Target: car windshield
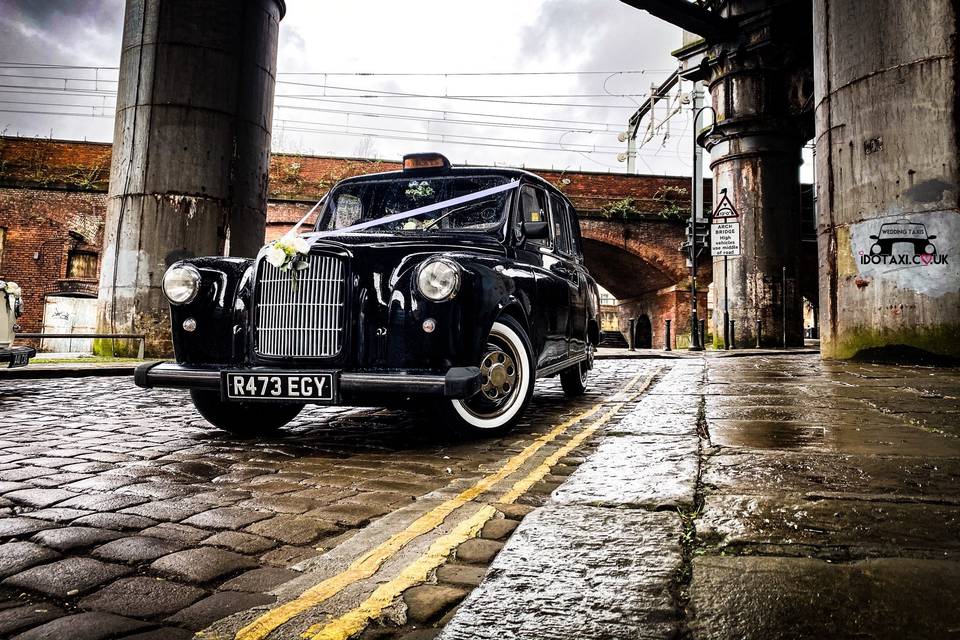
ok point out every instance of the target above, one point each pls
(358, 202)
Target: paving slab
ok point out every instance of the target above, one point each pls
(71, 538)
(31, 615)
(426, 602)
(610, 476)
(293, 530)
(240, 542)
(21, 525)
(142, 597)
(17, 556)
(572, 571)
(749, 472)
(226, 518)
(868, 527)
(136, 549)
(201, 565)
(260, 580)
(219, 605)
(92, 625)
(780, 598)
(478, 551)
(67, 577)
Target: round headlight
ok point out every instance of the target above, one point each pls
(438, 279)
(181, 283)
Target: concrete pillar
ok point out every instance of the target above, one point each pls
(760, 85)
(759, 167)
(191, 149)
(888, 135)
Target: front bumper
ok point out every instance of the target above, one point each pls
(458, 382)
(7, 354)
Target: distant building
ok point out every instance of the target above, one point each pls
(609, 317)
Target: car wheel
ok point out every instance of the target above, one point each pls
(246, 419)
(507, 378)
(574, 379)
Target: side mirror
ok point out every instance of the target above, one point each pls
(873, 237)
(931, 237)
(536, 230)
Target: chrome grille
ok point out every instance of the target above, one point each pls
(305, 320)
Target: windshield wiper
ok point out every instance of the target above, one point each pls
(452, 211)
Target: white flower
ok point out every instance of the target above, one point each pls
(301, 246)
(276, 256)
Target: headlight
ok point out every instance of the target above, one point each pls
(181, 284)
(438, 279)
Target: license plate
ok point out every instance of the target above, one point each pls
(316, 387)
(20, 359)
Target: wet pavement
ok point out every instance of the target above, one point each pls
(757, 497)
(761, 497)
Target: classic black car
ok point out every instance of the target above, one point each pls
(457, 286)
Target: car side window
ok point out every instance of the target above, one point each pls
(533, 208)
(560, 226)
(575, 231)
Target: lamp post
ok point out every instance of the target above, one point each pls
(695, 204)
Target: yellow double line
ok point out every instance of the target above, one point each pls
(368, 564)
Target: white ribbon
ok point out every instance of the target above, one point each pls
(393, 217)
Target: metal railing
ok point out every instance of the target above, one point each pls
(86, 336)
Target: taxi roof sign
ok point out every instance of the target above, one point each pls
(425, 161)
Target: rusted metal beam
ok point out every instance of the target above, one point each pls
(645, 107)
(686, 15)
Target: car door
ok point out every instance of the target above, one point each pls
(568, 269)
(582, 304)
(549, 315)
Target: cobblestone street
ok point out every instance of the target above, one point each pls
(124, 512)
(824, 493)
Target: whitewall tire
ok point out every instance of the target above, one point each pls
(507, 379)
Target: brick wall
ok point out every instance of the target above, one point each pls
(41, 228)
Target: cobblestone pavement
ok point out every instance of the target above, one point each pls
(123, 514)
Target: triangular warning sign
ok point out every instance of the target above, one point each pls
(725, 208)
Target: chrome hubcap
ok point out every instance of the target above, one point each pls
(498, 375)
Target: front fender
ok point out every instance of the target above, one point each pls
(220, 310)
(488, 288)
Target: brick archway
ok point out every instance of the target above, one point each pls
(640, 263)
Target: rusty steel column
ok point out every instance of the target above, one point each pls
(888, 169)
(760, 83)
(758, 164)
(191, 149)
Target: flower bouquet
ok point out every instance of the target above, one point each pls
(289, 253)
(11, 295)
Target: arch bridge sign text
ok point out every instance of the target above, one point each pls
(725, 229)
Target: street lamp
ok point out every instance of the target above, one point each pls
(697, 164)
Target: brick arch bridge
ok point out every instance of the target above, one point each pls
(639, 262)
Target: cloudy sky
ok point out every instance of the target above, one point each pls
(540, 83)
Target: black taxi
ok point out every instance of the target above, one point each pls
(459, 286)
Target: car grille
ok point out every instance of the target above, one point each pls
(303, 320)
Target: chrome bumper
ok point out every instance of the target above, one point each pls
(458, 382)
